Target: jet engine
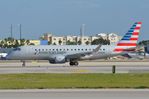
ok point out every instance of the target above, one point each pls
(58, 59)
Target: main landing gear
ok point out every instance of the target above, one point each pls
(74, 63)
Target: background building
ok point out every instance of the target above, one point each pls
(113, 37)
(35, 42)
(84, 40)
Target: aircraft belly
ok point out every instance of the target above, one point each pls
(40, 57)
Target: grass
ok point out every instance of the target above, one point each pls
(47, 81)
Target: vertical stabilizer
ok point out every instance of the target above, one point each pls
(129, 41)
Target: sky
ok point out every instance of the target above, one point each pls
(65, 17)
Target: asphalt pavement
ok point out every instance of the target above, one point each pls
(76, 94)
(84, 67)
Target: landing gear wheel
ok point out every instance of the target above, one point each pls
(73, 63)
(76, 63)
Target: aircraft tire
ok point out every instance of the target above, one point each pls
(74, 63)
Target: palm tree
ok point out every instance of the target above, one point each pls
(2, 43)
(16, 44)
(22, 42)
(60, 42)
(79, 42)
(27, 42)
(54, 43)
(49, 42)
(100, 41)
(87, 42)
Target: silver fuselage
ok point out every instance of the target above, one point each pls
(47, 52)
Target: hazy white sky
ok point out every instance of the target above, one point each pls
(64, 17)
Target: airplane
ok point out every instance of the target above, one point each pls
(57, 54)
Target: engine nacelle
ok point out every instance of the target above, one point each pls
(58, 59)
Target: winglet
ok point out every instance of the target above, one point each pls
(97, 49)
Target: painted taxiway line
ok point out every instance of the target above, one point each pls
(75, 90)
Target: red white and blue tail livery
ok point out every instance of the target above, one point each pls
(129, 42)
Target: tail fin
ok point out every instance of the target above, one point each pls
(129, 41)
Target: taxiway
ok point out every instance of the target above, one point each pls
(76, 94)
(84, 67)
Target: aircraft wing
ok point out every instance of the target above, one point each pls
(77, 55)
(82, 54)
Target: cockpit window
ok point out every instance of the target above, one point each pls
(17, 49)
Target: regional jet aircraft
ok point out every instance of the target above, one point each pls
(73, 53)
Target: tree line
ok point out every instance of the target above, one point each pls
(144, 43)
(94, 42)
(13, 43)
